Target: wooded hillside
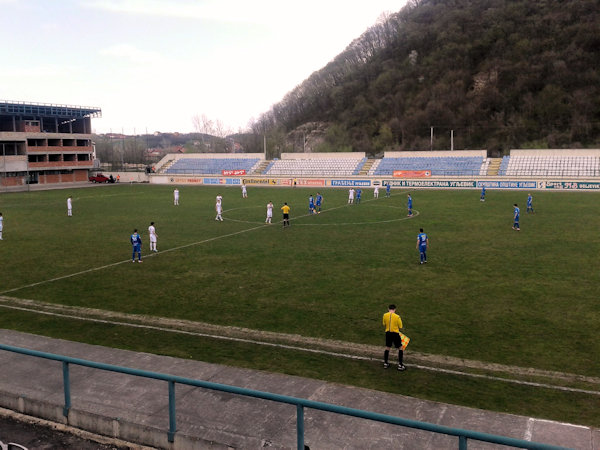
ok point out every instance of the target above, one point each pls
(502, 74)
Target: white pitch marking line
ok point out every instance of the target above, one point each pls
(345, 205)
(529, 430)
(304, 349)
(93, 269)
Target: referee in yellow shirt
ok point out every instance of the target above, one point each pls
(392, 323)
(286, 215)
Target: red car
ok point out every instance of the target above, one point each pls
(100, 178)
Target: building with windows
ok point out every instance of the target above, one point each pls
(45, 143)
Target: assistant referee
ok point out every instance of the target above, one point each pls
(392, 323)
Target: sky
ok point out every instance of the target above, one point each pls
(154, 65)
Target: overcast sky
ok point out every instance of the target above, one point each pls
(155, 64)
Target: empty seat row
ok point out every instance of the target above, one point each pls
(448, 165)
(575, 166)
(316, 167)
(216, 166)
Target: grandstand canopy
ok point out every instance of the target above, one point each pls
(48, 110)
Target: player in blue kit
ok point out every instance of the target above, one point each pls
(311, 205)
(516, 216)
(482, 198)
(388, 188)
(136, 243)
(358, 195)
(409, 205)
(529, 204)
(422, 244)
(319, 202)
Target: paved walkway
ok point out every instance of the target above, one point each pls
(136, 409)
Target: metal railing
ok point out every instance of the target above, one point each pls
(300, 403)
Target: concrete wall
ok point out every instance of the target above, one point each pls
(17, 163)
(130, 177)
(113, 427)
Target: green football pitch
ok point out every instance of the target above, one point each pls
(523, 305)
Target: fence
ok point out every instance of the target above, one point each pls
(462, 435)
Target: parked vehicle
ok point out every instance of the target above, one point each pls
(101, 178)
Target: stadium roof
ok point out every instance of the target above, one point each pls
(48, 110)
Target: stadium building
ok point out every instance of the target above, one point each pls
(45, 143)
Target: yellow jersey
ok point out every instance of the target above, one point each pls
(392, 322)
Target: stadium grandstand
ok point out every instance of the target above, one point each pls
(463, 163)
(315, 164)
(409, 164)
(546, 163)
(204, 166)
(45, 143)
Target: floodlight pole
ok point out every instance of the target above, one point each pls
(451, 140)
(431, 139)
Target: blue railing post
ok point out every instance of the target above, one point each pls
(66, 388)
(300, 426)
(172, 414)
(462, 443)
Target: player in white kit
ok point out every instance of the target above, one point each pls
(351, 196)
(1, 225)
(153, 236)
(376, 192)
(269, 212)
(244, 191)
(176, 197)
(69, 206)
(219, 209)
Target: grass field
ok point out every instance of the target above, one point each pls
(524, 299)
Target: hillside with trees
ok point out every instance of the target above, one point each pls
(501, 74)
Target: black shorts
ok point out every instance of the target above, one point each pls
(286, 216)
(392, 339)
